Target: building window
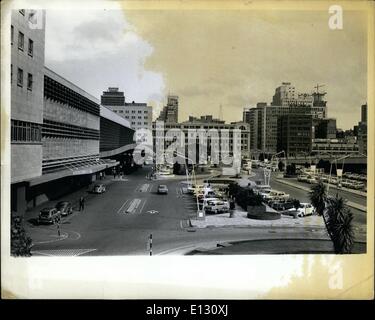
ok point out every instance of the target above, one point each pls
(139, 111)
(22, 131)
(133, 111)
(145, 111)
(30, 50)
(11, 34)
(20, 77)
(22, 11)
(20, 40)
(29, 81)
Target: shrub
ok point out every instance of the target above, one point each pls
(20, 242)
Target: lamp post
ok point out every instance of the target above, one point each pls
(338, 173)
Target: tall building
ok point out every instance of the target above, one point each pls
(138, 114)
(264, 128)
(55, 125)
(112, 97)
(324, 128)
(208, 123)
(169, 114)
(364, 113)
(362, 130)
(286, 95)
(27, 63)
(294, 134)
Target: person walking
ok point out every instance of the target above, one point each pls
(81, 204)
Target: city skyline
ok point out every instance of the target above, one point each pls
(236, 75)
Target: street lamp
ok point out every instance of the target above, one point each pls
(340, 173)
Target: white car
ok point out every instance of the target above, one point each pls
(99, 188)
(305, 209)
(217, 206)
(276, 195)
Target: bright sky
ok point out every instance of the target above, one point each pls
(235, 58)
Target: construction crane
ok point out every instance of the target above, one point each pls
(319, 86)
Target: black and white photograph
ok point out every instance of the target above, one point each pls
(189, 130)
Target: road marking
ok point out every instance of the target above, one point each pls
(151, 186)
(144, 187)
(62, 252)
(140, 211)
(133, 205)
(125, 202)
(152, 211)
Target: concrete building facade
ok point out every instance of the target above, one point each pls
(138, 114)
(294, 134)
(169, 114)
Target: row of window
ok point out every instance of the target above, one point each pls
(139, 123)
(20, 78)
(127, 111)
(63, 130)
(22, 131)
(133, 117)
(58, 92)
(21, 42)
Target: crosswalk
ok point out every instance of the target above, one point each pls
(62, 252)
(132, 206)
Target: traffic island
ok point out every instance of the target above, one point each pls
(262, 212)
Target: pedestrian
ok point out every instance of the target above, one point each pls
(81, 204)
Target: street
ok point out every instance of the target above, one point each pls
(120, 221)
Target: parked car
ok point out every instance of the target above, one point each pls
(312, 180)
(49, 215)
(65, 208)
(302, 178)
(217, 206)
(282, 206)
(162, 189)
(276, 195)
(99, 188)
(305, 209)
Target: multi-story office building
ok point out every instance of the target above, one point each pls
(207, 123)
(56, 142)
(169, 114)
(294, 134)
(333, 147)
(324, 128)
(286, 95)
(138, 114)
(362, 130)
(264, 128)
(27, 63)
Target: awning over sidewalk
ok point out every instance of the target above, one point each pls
(75, 170)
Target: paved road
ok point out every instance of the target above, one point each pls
(359, 216)
(120, 221)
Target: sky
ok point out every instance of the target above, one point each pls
(233, 58)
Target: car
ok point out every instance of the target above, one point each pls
(305, 209)
(162, 189)
(49, 215)
(65, 208)
(302, 178)
(312, 180)
(276, 195)
(282, 206)
(217, 206)
(99, 188)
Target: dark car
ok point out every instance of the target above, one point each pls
(65, 208)
(282, 206)
(49, 215)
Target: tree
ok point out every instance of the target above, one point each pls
(20, 242)
(340, 225)
(337, 218)
(176, 168)
(318, 196)
(281, 165)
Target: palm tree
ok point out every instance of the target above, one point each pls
(340, 224)
(318, 198)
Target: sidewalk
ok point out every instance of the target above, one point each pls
(240, 219)
(49, 233)
(297, 186)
